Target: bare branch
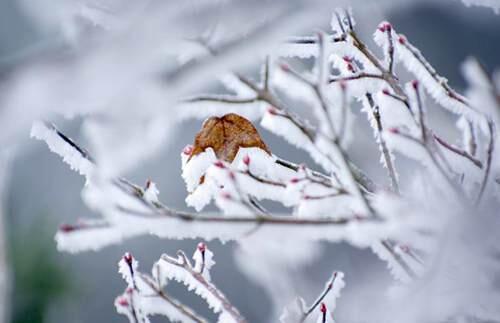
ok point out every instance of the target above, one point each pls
(458, 151)
(188, 312)
(320, 298)
(228, 307)
(383, 145)
(220, 99)
(489, 158)
(358, 76)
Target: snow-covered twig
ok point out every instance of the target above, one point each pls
(458, 151)
(145, 296)
(489, 158)
(383, 145)
(197, 279)
(328, 288)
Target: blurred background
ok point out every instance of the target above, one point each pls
(48, 286)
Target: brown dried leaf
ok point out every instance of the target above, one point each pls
(225, 135)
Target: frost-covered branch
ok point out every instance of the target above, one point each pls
(146, 295)
(489, 158)
(197, 277)
(329, 287)
(231, 166)
(298, 312)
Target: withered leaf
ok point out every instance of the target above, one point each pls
(225, 135)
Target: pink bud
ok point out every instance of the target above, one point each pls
(302, 166)
(347, 59)
(350, 67)
(306, 197)
(67, 228)
(386, 91)
(122, 301)
(246, 160)
(272, 111)
(387, 27)
(219, 164)
(402, 39)
(129, 290)
(294, 180)
(322, 308)
(394, 130)
(225, 195)
(202, 247)
(188, 150)
(414, 83)
(285, 67)
(128, 258)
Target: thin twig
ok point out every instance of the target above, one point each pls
(489, 158)
(390, 49)
(383, 145)
(360, 75)
(326, 290)
(220, 99)
(185, 264)
(458, 151)
(191, 314)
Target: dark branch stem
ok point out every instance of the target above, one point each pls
(489, 158)
(361, 75)
(228, 307)
(390, 50)
(328, 288)
(383, 145)
(180, 307)
(220, 99)
(458, 151)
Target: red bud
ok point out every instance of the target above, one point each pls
(219, 164)
(386, 91)
(322, 308)
(294, 180)
(128, 258)
(414, 83)
(68, 228)
(122, 301)
(202, 246)
(402, 39)
(284, 67)
(246, 160)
